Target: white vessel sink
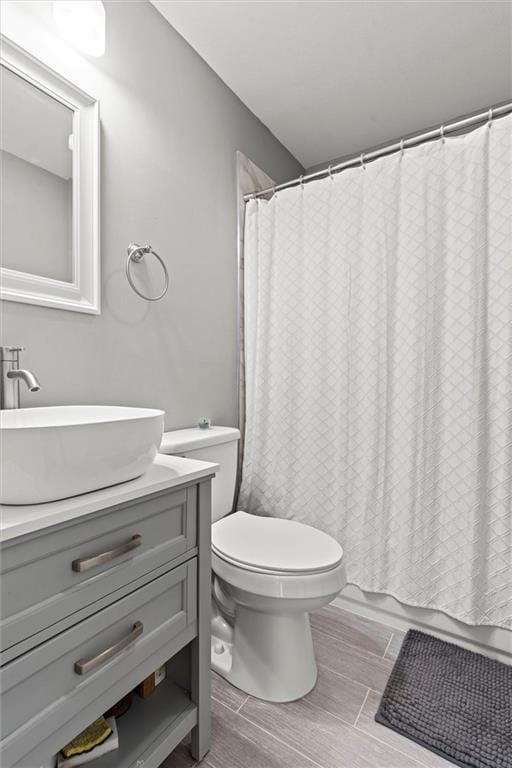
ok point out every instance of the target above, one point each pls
(61, 451)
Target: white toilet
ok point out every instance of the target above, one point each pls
(269, 573)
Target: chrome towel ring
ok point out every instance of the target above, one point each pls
(135, 254)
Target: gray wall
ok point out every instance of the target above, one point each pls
(35, 195)
(170, 130)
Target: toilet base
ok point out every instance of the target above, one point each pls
(269, 656)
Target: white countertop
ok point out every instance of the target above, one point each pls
(166, 472)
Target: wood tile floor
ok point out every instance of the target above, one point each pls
(333, 726)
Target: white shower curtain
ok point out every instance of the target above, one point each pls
(379, 369)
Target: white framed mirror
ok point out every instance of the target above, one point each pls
(49, 149)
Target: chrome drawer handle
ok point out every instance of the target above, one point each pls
(86, 563)
(84, 666)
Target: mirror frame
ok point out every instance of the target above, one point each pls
(83, 294)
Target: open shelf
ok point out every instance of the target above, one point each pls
(152, 728)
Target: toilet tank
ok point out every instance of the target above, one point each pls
(217, 444)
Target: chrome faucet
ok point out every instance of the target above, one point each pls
(11, 376)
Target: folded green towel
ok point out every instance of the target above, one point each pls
(89, 750)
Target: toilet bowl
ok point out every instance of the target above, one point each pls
(268, 574)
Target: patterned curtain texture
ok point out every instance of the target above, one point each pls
(378, 334)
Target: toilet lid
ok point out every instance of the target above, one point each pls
(273, 544)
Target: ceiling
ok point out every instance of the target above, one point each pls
(331, 77)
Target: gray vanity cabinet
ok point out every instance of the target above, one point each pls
(89, 609)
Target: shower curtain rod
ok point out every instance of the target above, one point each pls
(480, 117)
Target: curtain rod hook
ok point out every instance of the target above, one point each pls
(329, 171)
(489, 121)
(441, 131)
(402, 149)
(361, 160)
(301, 180)
(274, 191)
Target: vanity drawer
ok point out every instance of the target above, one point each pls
(49, 689)
(56, 574)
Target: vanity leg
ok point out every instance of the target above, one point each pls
(201, 646)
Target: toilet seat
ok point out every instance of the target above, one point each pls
(270, 545)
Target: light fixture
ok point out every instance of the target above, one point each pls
(82, 23)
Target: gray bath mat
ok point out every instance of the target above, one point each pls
(454, 702)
